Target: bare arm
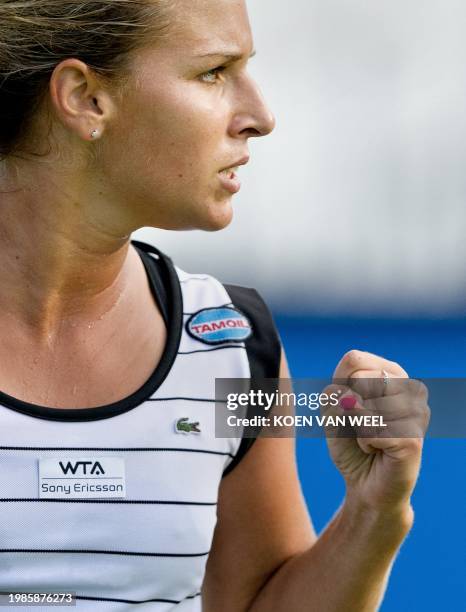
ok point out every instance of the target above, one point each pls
(347, 568)
(266, 557)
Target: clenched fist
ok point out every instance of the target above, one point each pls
(380, 464)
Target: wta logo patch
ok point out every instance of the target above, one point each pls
(218, 325)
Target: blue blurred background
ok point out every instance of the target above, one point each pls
(352, 223)
(429, 573)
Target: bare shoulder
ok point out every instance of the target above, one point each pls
(262, 522)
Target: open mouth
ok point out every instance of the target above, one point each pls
(230, 172)
(229, 176)
(230, 180)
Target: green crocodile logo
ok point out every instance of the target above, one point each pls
(183, 426)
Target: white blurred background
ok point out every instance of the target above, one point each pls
(356, 203)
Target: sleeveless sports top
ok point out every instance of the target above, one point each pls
(118, 503)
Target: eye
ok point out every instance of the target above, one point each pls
(211, 76)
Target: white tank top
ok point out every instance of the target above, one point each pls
(118, 503)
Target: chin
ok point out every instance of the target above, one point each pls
(219, 217)
(213, 216)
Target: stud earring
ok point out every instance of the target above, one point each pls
(94, 134)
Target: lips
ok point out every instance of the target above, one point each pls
(230, 172)
(228, 176)
(233, 168)
(229, 180)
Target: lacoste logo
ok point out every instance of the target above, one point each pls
(185, 427)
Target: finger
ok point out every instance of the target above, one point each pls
(342, 397)
(364, 419)
(349, 402)
(402, 415)
(375, 383)
(355, 360)
(395, 448)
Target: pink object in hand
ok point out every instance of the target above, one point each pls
(348, 403)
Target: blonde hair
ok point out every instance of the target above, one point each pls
(36, 35)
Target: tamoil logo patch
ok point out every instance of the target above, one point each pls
(218, 325)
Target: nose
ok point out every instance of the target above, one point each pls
(253, 118)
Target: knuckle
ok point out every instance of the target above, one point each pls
(353, 358)
(423, 391)
(412, 447)
(411, 388)
(415, 445)
(419, 395)
(401, 372)
(357, 375)
(426, 413)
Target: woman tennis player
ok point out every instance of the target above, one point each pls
(117, 115)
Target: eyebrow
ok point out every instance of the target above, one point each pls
(227, 55)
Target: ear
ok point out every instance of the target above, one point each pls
(79, 99)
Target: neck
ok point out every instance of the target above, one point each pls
(64, 261)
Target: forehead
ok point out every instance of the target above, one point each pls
(206, 26)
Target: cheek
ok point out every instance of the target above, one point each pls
(172, 152)
(180, 133)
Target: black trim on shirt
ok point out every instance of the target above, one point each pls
(217, 348)
(91, 551)
(157, 272)
(57, 500)
(263, 349)
(134, 449)
(161, 273)
(134, 601)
